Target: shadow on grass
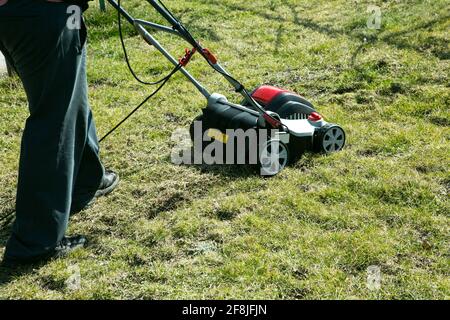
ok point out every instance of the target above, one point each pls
(391, 38)
(437, 47)
(171, 202)
(104, 25)
(9, 274)
(231, 171)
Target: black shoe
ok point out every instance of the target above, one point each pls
(109, 183)
(64, 247)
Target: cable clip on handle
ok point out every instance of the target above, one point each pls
(187, 56)
(189, 53)
(210, 56)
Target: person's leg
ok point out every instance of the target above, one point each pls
(50, 61)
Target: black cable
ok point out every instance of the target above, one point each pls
(163, 81)
(122, 42)
(142, 103)
(194, 43)
(6, 218)
(169, 12)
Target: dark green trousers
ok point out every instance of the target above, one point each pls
(59, 161)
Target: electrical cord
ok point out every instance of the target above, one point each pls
(162, 82)
(125, 52)
(6, 217)
(141, 104)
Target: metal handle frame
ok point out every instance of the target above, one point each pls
(179, 30)
(177, 27)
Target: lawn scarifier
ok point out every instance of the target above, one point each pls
(298, 126)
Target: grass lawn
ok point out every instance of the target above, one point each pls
(195, 232)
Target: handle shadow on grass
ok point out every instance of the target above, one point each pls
(390, 38)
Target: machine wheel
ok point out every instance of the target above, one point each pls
(274, 157)
(333, 140)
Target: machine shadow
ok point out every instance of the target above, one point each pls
(229, 170)
(232, 171)
(239, 171)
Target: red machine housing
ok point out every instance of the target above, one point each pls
(286, 104)
(265, 94)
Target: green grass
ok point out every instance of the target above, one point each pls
(194, 232)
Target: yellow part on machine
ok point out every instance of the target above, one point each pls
(218, 135)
